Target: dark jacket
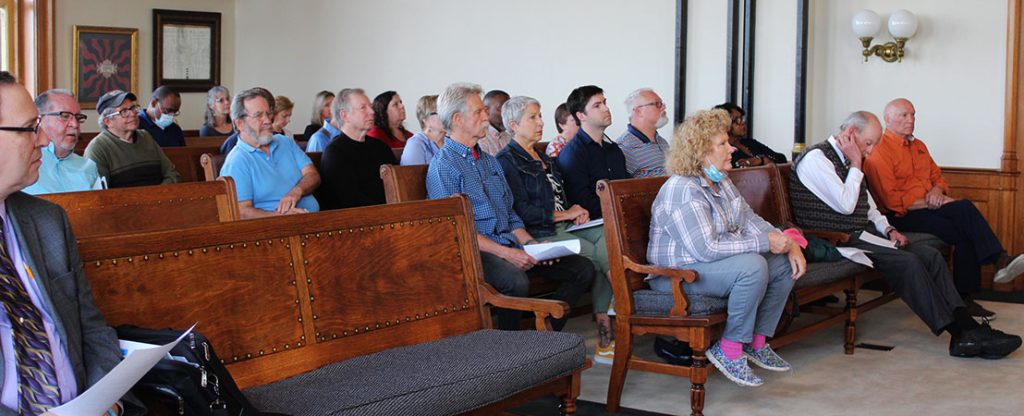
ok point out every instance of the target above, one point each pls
(533, 197)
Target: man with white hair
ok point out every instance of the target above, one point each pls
(124, 153)
(60, 119)
(462, 167)
(273, 176)
(641, 144)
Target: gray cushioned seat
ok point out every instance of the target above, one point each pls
(650, 302)
(822, 273)
(443, 377)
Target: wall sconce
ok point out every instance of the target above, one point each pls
(902, 26)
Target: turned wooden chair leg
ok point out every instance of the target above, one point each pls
(568, 407)
(851, 320)
(623, 352)
(698, 376)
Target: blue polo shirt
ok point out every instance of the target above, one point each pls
(323, 137)
(70, 174)
(264, 179)
(172, 136)
(583, 162)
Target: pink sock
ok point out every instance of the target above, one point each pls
(732, 349)
(758, 342)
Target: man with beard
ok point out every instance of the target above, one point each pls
(125, 154)
(644, 156)
(60, 119)
(272, 174)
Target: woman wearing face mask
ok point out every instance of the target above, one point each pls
(699, 221)
(388, 115)
(749, 152)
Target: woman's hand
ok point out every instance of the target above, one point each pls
(581, 214)
(797, 262)
(779, 243)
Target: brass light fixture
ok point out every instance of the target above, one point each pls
(902, 26)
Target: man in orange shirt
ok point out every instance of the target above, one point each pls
(909, 189)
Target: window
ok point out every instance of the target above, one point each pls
(7, 14)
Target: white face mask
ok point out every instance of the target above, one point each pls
(164, 121)
(662, 121)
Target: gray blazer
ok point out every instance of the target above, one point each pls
(51, 250)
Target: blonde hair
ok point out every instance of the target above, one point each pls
(692, 141)
(426, 106)
(282, 103)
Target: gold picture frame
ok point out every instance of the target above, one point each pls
(104, 59)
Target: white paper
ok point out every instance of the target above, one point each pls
(588, 224)
(102, 395)
(876, 240)
(548, 251)
(856, 255)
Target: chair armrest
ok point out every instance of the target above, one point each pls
(541, 308)
(833, 237)
(678, 276)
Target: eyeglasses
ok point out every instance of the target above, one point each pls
(739, 120)
(657, 104)
(66, 116)
(125, 113)
(259, 115)
(33, 129)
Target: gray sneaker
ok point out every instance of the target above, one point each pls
(736, 370)
(766, 358)
(1011, 271)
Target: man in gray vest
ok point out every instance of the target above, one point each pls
(828, 192)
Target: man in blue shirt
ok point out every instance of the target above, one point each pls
(158, 118)
(60, 119)
(462, 167)
(591, 155)
(323, 137)
(273, 176)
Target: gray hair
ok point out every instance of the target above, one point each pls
(238, 102)
(341, 103)
(453, 100)
(318, 104)
(43, 100)
(630, 100)
(513, 109)
(857, 119)
(211, 95)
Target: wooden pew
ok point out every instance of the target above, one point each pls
(188, 160)
(207, 141)
(210, 163)
(280, 297)
(148, 208)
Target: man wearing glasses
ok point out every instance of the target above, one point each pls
(125, 154)
(60, 119)
(158, 118)
(749, 152)
(641, 144)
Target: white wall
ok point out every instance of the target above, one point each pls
(139, 15)
(539, 48)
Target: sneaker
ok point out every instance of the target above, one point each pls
(736, 370)
(611, 308)
(984, 342)
(976, 310)
(1013, 269)
(604, 355)
(673, 351)
(766, 358)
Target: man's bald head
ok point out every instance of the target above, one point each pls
(900, 117)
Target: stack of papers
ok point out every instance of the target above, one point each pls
(588, 224)
(548, 251)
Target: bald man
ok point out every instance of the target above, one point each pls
(910, 191)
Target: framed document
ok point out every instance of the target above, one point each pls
(105, 59)
(186, 50)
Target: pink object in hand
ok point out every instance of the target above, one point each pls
(796, 236)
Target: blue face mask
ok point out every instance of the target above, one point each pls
(713, 173)
(164, 121)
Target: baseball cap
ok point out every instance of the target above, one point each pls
(113, 99)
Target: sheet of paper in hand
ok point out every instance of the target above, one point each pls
(553, 250)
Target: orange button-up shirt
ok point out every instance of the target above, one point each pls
(900, 172)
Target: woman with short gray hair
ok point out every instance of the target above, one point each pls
(218, 109)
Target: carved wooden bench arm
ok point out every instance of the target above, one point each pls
(678, 276)
(541, 308)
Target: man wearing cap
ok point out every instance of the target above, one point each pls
(158, 118)
(60, 119)
(124, 154)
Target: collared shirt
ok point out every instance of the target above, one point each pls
(900, 172)
(264, 178)
(583, 162)
(322, 137)
(455, 170)
(818, 174)
(419, 149)
(556, 145)
(68, 174)
(172, 136)
(65, 373)
(692, 223)
(495, 140)
(644, 157)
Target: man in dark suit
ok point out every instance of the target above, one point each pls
(55, 343)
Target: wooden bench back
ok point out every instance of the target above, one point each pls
(210, 163)
(188, 160)
(148, 208)
(626, 208)
(404, 183)
(206, 141)
(766, 191)
(285, 295)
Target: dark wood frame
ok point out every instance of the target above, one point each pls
(682, 14)
(77, 32)
(163, 18)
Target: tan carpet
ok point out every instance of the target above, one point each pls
(918, 377)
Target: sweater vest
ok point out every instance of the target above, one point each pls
(813, 213)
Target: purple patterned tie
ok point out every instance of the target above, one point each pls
(38, 391)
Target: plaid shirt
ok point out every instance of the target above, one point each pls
(691, 223)
(454, 170)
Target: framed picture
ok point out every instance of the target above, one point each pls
(186, 50)
(105, 58)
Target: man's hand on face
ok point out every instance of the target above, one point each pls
(850, 150)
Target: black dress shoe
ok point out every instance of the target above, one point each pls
(673, 351)
(984, 342)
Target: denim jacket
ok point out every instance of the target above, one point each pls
(533, 198)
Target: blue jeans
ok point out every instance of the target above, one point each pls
(756, 285)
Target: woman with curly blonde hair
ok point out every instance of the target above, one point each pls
(699, 221)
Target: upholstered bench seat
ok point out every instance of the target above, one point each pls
(448, 376)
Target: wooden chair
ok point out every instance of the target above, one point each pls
(148, 208)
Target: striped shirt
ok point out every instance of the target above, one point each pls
(691, 223)
(643, 156)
